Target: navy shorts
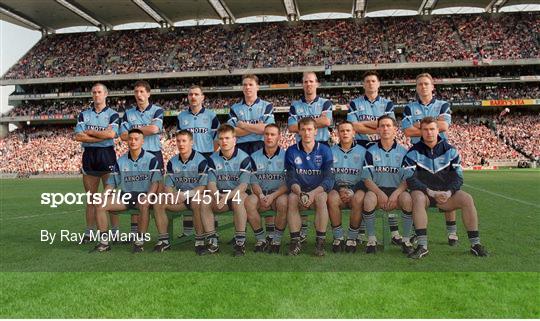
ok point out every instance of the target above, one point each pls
(388, 190)
(98, 161)
(206, 155)
(251, 147)
(159, 157)
(364, 143)
(132, 200)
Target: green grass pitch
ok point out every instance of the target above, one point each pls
(63, 281)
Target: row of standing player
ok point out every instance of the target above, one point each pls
(249, 118)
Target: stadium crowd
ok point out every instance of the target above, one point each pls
(280, 44)
(400, 95)
(50, 149)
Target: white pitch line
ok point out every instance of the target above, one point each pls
(502, 196)
(40, 215)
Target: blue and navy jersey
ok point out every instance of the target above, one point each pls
(362, 109)
(415, 111)
(187, 175)
(268, 172)
(89, 119)
(260, 111)
(135, 175)
(202, 125)
(302, 109)
(309, 170)
(438, 169)
(348, 166)
(151, 115)
(384, 167)
(229, 173)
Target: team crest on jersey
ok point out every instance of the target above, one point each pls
(335, 159)
(377, 158)
(186, 122)
(125, 169)
(356, 158)
(318, 160)
(361, 108)
(219, 166)
(418, 112)
(298, 160)
(260, 167)
(241, 113)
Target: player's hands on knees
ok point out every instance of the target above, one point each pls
(442, 197)
(392, 202)
(345, 194)
(382, 199)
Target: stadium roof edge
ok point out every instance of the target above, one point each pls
(51, 15)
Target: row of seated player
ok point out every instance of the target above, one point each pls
(339, 96)
(50, 149)
(280, 44)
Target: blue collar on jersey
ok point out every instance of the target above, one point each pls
(140, 155)
(275, 154)
(301, 146)
(420, 102)
(394, 145)
(233, 155)
(352, 146)
(244, 102)
(303, 99)
(146, 109)
(376, 99)
(104, 109)
(190, 158)
(200, 112)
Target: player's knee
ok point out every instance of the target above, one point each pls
(418, 196)
(466, 199)
(333, 199)
(321, 199)
(293, 198)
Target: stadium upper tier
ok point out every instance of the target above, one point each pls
(284, 44)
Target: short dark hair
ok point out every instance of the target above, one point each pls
(428, 120)
(224, 128)
(135, 131)
(371, 73)
(184, 132)
(273, 126)
(196, 87)
(305, 121)
(144, 84)
(343, 123)
(394, 122)
(252, 77)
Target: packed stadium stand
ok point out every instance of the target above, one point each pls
(482, 64)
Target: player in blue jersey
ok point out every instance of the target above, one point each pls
(269, 190)
(436, 181)
(185, 180)
(250, 115)
(309, 178)
(149, 119)
(364, 111)
(348, 191)
(136, 174)
(229, 173)
(146, 117)
(311, 105)
(385, 180)
(203, 124)
(96, 128)
(426, 105)
(318, 108)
